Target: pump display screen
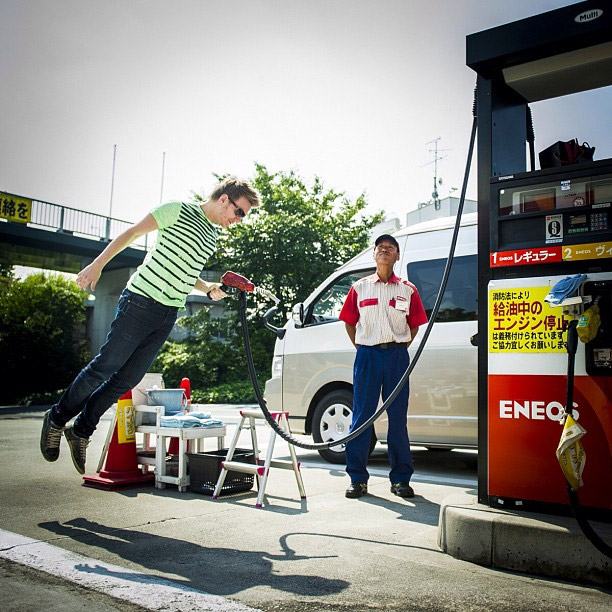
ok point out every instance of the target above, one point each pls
(557, 194)
(533, 201)
(594, 222)
(578, 224)
(568, 208)
(600, 192)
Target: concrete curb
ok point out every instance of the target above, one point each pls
(541, 544)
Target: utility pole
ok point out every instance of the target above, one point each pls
(110, 207)
(161, 191)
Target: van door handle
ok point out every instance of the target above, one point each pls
(474, 339)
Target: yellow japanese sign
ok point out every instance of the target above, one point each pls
(15, 208)
(601, 250)
(520, 321)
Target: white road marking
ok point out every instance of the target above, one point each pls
(146, 591)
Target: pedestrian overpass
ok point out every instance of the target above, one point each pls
(39, 234)
(43, 235)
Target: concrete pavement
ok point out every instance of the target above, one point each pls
(322, 553)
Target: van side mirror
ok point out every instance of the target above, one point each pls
(297, 314)
(279, 331)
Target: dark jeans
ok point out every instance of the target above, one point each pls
(377, 370)
(137, 333)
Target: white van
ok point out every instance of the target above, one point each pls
(312, 368)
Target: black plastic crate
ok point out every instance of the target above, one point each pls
(204, 470)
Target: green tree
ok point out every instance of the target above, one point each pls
(297, 238)
(6, 278)
(42, 344)
(289, 245)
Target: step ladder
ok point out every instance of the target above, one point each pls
(259, 470)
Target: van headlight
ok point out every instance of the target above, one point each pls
(277, 366)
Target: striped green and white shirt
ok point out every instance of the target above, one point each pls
(185, 240)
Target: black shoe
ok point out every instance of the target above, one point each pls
(403, 489)
(357, 489)
(78, 449)
(50, 438)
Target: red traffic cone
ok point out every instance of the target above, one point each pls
(121, 466)
(173, 447)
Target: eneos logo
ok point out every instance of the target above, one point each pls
(535, 410)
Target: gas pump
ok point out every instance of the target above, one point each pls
(536, 228)
(540, 239)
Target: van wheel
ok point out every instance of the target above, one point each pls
(331, 420)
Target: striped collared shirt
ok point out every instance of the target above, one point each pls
(383, 312)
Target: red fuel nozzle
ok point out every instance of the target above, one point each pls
(237, 281)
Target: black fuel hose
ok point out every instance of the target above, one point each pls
(249, 357)
(586, 528)
(531, 139)
(589, 533)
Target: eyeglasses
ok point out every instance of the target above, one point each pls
(239, 212)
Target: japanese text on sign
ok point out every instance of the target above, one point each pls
(521, 257)
(601, 250)
(126, 430)
(14, 208)
(520, 321)
(551, 254)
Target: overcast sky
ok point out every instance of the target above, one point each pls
(349, 90)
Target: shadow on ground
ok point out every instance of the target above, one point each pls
(220, 571)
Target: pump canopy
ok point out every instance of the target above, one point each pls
(550, 55)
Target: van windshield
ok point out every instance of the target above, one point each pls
(328, 305)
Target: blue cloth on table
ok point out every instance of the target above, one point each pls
(189, 421)
(564, 289)
(200, 415)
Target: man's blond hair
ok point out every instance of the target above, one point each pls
(235, 189)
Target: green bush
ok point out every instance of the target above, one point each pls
(240, 392)
(179, 360)
(45, 398)
(210, 360)
(42, 340)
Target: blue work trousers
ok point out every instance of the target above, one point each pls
(139, 330)
(375, 370)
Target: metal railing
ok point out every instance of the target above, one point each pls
(79, 222)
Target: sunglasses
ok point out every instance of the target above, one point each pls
(239, 212)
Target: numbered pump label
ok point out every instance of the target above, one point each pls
(550, 254)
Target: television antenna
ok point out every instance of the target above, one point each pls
(436, 181)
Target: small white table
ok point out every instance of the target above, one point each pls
(198, 434)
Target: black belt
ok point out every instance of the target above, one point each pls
(391, 345)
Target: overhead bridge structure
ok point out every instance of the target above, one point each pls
(54, 237)
(61, 238)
